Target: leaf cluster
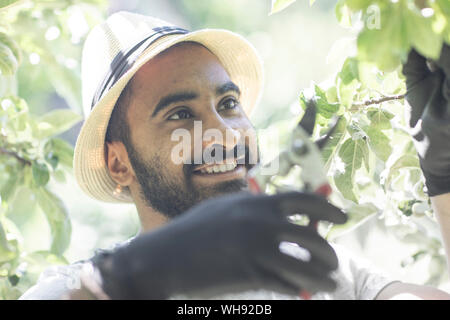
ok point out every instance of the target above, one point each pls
(370, 159)
(37, 45)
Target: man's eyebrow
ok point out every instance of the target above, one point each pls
(229, 86)
(164, 102)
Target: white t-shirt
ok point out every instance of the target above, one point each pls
(356, 280)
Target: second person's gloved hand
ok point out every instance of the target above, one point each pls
(226, 245)
(428, 94)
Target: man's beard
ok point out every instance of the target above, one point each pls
(169, 195)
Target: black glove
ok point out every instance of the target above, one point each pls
(428, 94)
(226, 245)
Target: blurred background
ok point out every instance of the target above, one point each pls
(299, 46)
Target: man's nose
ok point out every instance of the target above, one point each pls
(220, 131)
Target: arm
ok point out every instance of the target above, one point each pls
(54, 283)
(428, 95)
(228, 245)
(408, 291)
(441, 207)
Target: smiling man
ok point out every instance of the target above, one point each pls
(149, 84)
(141, 159)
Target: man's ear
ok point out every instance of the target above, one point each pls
(118, 163)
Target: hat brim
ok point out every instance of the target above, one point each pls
(238, 57)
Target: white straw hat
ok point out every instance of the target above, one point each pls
(113, 52)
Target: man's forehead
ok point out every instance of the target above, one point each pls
(183, 67)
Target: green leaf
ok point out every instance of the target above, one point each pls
(405, 207)
(12, 45)
(59, 176)
(380, 118)
(56, 122)
(279, 5)
(343, 13)
(6, 3)
(22, 207)
(8, 62)
(331, 95)
(357, 214)
(52, 160)
(370, 76)
(9, 187)
(379, 143)
(355, 129)
(387, 46)
(324, 108)
(41, 257)
(404, 162)
(57, 218)
(357, 5)
(346, 92)
(311, 2)
(349, 71)
(345, 184)
(393, 83)
(50, 157)
(14, 279)
(38, 260)
(352, 153)
(41, 175)
(421, 33)
(64, 152)
(418, 191)
(7, 252)
(329, 149)
(444, 5)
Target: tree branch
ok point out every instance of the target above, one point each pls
(357, 105)
(15, 155)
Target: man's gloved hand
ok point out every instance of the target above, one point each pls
(226, 245)
(428, 94)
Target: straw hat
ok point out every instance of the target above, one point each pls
(113, 52)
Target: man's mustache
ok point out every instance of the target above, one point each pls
(240, 153)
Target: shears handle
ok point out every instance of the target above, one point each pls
(324, 190)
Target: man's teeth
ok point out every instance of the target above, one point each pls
(219, 168)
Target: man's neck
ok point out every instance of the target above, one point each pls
(150, 219)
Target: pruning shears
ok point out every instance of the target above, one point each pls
(303, 152)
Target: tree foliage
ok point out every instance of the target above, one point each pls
(371, 160)
(31, 151)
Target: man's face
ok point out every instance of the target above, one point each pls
(186, 90)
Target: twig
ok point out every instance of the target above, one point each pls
(356, 105)
(15, 155)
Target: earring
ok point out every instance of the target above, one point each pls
(118, 190)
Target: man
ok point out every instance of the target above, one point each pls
(204, 236)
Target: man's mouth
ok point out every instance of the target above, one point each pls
(219, 169)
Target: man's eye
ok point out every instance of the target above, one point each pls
(228, 104)
(179, 115)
